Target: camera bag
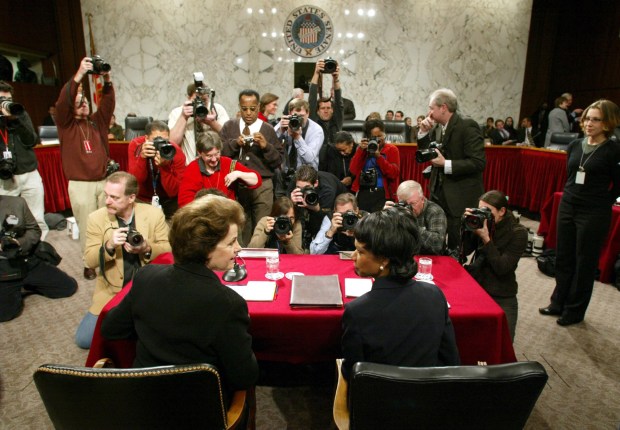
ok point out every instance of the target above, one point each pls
(546, 262)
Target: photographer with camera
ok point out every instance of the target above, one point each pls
(376, 166)
(498, 240)
(315, 192)
(429, 217)
(282, 229)
(20, 263)
(84, 146)
(327, 111)
(121, 237)
(187, 125)
(456, 173)
(301, 137)
(336, 233)
(18, 165)
(253, 143)
(158, 164)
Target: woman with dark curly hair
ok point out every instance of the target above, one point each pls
(400, 321)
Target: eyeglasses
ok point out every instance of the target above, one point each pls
(82, 101)
(594, 120)
(250, 108)
(212, 157)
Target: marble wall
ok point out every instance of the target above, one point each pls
(390, 60)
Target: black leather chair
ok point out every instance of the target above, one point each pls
(395, 131)
(355, 127)
(560, 141)
(458, 397)
(165, 397)
(135, 125)
(48, 134)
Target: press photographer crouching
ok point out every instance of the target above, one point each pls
(498, 240)
(376, 166)
(336, 233)
(24, 261)
(281, 230)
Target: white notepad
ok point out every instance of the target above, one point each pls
(256, 291)
(355, 287)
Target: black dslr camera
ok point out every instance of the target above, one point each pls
(311, 197)
(10, 107)
(8, 241)
(7, 168)
(329, 65)
(134, 237)
(368, 178)
(165, 148)
(282, 225)
(248, 140)
(99, 66)
(373, 146)
(424, 155)
(294, 122)
(349, 220)
(475, 221)
(201, 110)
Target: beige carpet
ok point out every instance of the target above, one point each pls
(582, 393)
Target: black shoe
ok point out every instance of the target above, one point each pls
(550, 310)
(89, 273)
(565, 320)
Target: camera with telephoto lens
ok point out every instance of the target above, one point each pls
(7, 168)
(329, 65)
(424, 155)
(373, 145)
(368, 178)
(311, 197)
(10, 107)
(475, 220)
(99, 66)
(8, 241)
(294, 122)
(248, 140)
(165, 148)
(282, 225)
(112, 167)
(134, 237)
(403, 205)
(201, 110)
(349, 220)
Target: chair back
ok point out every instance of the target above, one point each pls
(165, 397)
(560, 141)
(395, 131)
(48, 134)
(355, 127)
(135, 125)
(463, 397)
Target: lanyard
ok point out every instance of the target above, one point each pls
(5, 137)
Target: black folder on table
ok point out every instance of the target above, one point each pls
(317, 291)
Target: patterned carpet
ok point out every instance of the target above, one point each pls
(582, 393)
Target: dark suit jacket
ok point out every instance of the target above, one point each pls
(403, 323)
(464, 145)
(182, 314)
(497, 137)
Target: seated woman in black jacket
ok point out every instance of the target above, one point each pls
(498, 242)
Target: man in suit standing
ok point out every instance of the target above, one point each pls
(456, 175)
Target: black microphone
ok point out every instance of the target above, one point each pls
(237, 273)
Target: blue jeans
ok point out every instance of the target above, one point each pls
(85, 331)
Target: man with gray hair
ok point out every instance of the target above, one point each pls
(456, 174)
(430, 217)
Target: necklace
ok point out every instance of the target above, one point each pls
(217, 179)
(87, 147)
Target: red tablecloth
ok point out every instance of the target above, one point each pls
(281, 333)
(611, 247)
(529, 176)
(54, 182)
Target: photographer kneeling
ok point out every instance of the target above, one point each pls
(336, 233)
(498, 240)
(281, 230)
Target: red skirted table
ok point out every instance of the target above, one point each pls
(282, 333)
(610, 249)
(527, 175)
(54, 182)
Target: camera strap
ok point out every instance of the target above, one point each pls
(154, 176)
(5, 138)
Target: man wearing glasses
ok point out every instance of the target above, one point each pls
(253, 143)
(84, 146)
(429, 216)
